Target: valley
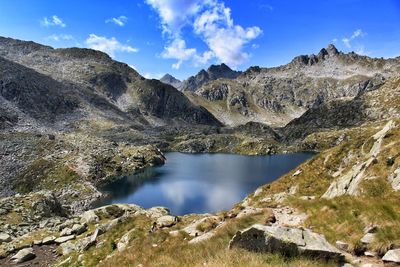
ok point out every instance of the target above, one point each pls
(74, 120)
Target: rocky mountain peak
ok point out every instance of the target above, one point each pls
(332, 50)
(171, 80)
(214, 72)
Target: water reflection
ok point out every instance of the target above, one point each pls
(200, 183)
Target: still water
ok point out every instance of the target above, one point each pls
(199, 183)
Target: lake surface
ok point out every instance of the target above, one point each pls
(199, 183)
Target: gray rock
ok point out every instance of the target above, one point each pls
(368, 238)
(156, 212)
(342, 245)
(64, 239)
(370, 229)
(166, 221)
(284, 240)
(23, 255)
(392, 256)
(5, 238)
(66, 231)
(79, 228)
(67, 248)
(48, 240)
(89, 217)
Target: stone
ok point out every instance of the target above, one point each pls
(370, 254)
(37, 242)
(66, 231)
(64, 239)
(124, 241)
(202, 238)
(287, 241)
(342, 245)
(392, 256)
(67, 248)
(23, 255)
(258, 192)
(249, 211)
(5, 238)
(89, 217)
(48, 240)
(79, 228)
(370, 229)
(368, 238)
(297, 173)
(166, 221)
(156, 212)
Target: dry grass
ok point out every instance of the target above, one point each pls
(162, 249)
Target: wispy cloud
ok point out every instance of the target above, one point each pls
(211, 20)
(108, 45)
(120, 21)
(53, 21)
(266, 7)
(157, 76)
(356, 34)
(60, 37)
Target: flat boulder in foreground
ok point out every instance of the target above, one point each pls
(284, 240)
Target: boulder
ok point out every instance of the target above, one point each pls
(64, 239)
(48, 240)
(156, 212)
(67, 248)
(66, 231)
(4, 238)
(166, 221)
(342, 245)
(23, 255)
(89, 217)
(368, 238)
(392, 256)
(79, 228)
(284, 240)
(124, 241)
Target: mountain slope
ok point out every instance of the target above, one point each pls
(171, 80)
(115, 82)
(275, 96)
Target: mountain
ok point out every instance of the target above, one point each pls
(275, 96)
(100, 86)
(171, 80)
(214, 72)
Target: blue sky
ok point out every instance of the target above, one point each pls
(182, 36)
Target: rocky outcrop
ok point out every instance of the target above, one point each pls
(214, 72)
(171, 80)
(284, 240)
(392, 256)
(349, 182)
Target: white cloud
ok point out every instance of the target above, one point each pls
(346, 42)
(149, 75)
(175, 14)
(120, 21)
(60, 37)
(108, 45)
(177, 50)
(356, 34)
(212, 22)
(53, 21)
